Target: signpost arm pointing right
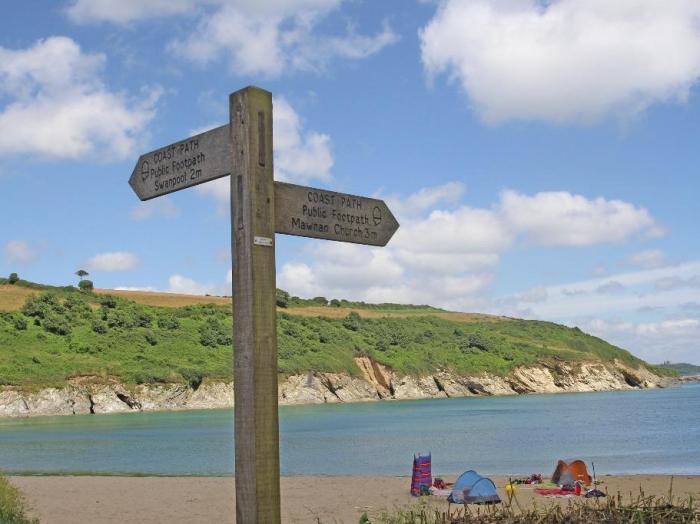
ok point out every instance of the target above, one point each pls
(255, 332)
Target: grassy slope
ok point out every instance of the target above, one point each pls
(171, 338)
(681, 368)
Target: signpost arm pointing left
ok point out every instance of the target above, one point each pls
(255, 333)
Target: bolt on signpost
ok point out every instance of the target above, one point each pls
(260, 207)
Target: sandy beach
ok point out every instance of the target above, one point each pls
(111, 500)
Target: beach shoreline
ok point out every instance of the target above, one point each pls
(324, 499)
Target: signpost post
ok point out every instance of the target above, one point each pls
(260, 208)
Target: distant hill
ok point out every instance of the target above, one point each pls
(51, 334)
(682, 368)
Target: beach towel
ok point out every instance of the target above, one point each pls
(554, 492)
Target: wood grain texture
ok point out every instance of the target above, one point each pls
(186, 163)
(255, 336)
(329, 215)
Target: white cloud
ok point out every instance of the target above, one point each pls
(427, 198)
(599, 270)
(19, 252)
(203, 129)
(446, 253)
(649, 259)
(252, 37)
(672, 339)
(535, 294)
(178, 283)
(463, 230)
(114, 261)
(610, 287)
(274, 38)
(563, 219)
(135, 288)
(161, 207)
(187, 286)
(676, 282)
(301, 155)
(124, 11)
(625, 293)
(653, 313)
(565, 60)
(58, 106)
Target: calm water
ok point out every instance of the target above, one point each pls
(622, 432)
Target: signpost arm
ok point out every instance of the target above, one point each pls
(254, 290)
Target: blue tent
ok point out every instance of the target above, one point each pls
(472, 488)
(482, 492)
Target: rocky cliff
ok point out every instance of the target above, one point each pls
(373, 382)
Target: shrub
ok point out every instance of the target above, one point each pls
(150, 338)
(126, 318)
(77, 307)
(475, 341)
(335, 303)
(108, 301)
(282, 298)
(14, 278)
(120, 318)
(99, 327)
(20, 323)
(213, 334)
(352, 321)
(168, 323)
(56, 324)
(193, 377)
(149, 378)
(41, 306)
(86, 286)
(142, 319)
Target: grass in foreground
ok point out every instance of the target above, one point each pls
(12, 509)
(612, 510)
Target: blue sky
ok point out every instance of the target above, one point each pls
(541, 158)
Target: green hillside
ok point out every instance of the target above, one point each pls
(64, 333)
(682, 368)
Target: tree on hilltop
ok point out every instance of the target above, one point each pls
(14, 278)
(81, 273)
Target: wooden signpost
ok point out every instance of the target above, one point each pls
(260, 208)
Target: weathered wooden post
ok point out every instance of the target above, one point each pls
(255, 333)
(260, 207)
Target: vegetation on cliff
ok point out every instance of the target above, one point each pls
(62, 333)
(682, 368)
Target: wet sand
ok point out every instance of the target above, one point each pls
(146, 500)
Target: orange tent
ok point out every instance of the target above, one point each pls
(568, 473)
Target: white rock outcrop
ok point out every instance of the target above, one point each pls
(374, 382)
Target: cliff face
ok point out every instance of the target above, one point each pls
(376, 382)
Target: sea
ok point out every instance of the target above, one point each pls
(621, 432)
